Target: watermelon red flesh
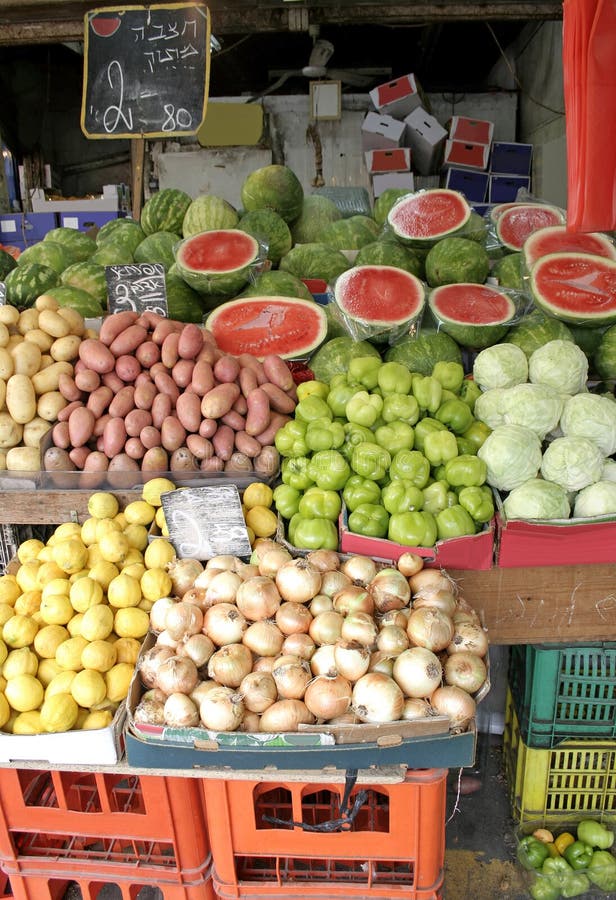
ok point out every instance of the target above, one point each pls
(429, 215)
(556, 239)
(289, 327)
(217, 252)
(379, 295)
(576, 287)
(500, 208)
(471, 304)
(515, 224)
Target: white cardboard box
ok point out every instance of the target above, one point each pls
(396, 160)
(398, 97)
(380, 132)
(426, 137)
(108, 202)
(381, 182)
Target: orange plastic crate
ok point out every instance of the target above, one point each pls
(393, 847)
(102, 819)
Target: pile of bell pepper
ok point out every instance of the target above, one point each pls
(398, 448)
(569, 865)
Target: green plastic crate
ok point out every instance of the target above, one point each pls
(558, 785)
(562, 692)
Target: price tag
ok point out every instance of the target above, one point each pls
(2, 293)
(138, 286)
(206, 521)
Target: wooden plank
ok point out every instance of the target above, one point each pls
(137, 158)
(50, 507)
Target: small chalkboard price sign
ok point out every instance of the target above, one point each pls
(206, 521)
(146, 70)
(2, 293)
(137, 286)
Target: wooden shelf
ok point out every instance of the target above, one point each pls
(51, 507)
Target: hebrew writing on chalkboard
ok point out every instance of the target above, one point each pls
(146, 70)
(139, 287)
(206, 521)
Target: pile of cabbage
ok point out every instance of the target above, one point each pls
(552, 442)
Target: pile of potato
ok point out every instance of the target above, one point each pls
(38, 347)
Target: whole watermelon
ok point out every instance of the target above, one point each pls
(126, 233)
(604, 358)
(79, 245)
(420, 354)
(277, 283)
(333, 357)
(25, 283)
(270, 228)
(476, 228)
(535, 330)
(508, 271)
(106, 230)
(165, 211)
(47, 253)
(315, 261)
(183, 304)
(317, 213)
(454, 260)
(384, 203)
(273, 187)
(351, 233)
(390, 253)
(7, 262)
(89, 277)
(157, 248)
(113, 253)
(74, 298)
(208, 213)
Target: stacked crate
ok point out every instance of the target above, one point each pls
(559, 743)
(99, 829)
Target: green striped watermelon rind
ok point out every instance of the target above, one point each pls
(474, 335)
(580, 266)
(564, 241)
(403, 304)
(230, 325)
(219, 285)
(433, 201)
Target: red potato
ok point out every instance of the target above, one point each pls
(248, 380)
(113, 381)
(78, 455)
(202, 379)
(123, 402)
(150, 437)
(127, 368)
(115, 324)
(207, 354)
(156, 459)
(259, 412)
(278, 398)
(99, 426)
(68, 388)
(143, 378)
(246, 360)
(240, 405)
(217, 402)
(99, 400)
(79, 366)
(166, 385)
(208, 427)
(134, 448)
(136, 420)
(100, 444)
(182, 372)
(169, 350)
(156, 368)
(114, 436)
(191, 341)
(212, 464)
(199, 446)
(96, 462)
(223, 442)
(149, 320)
(247, 444)
(232, 418)
(278, 372)
(64, 414)
(267, 436)
(118, 468)
(60, 435)
(128, 340)
(145, 394)
(267, 462)
(80, 426)
(148, 353)
(172, 434)
(96, 356)
(226, 368)
(161, 408)
(87, 380)
(164, 327)
(188, 411)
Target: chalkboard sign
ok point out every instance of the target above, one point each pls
(146, 70)
(137, 286)
(206, 521)
(2, 293)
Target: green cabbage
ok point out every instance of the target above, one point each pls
(598, 499)
(608, 472)
(591, 416)
(560, 365)
(500, 366)
(537, 499)
(572, 462)
(490, 407)
(536, 406)
(512, 454)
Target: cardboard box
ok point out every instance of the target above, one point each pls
(504, 188)
(426, 138)
(84, 221)
(108, 202)
(477, 131)
(474, 185)
(380, 132)
(396, 160)
(465, 155)
(387, 180)
(511, 159)
(398, 97)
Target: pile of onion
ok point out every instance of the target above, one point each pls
(280, 642)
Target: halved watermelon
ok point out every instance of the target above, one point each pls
(379, 298)
(576, 287)
(289, 327)
(474, 315)
(424, 218)
(217, 263)
(515, 223)
(556, 239)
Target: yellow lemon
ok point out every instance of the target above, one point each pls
(49, 571)
(257, 494)
(28, 603)
(153, 488)
(158, 554)
(262, 520)
(56, 609)
(146, 604)
(5, 711)
(20, 662)
(103, 505)
(131, 622)
(88, 688)
(9, 589)
(99, 655)
(114, 546)
(133, 556)
(156, 583)
(27, 722)
(60, 683)
(124, 591)
(88, 531)
(104, 572)
(135, 570)
(66, 530)
(120, 518)
(118, 680)
(94, 555)
(84, 593)
(27, 573)
(68, 654)
(30, 549)
(6, 612)
(57, 586)
(46, 554)
(71, 555)
(97, 622)
(104, 526)
(19, 631)
(100, 718)
(47, 670)
(161, 521)
(127, 649)
(251, 536)
(48, 639)
(24, 692)
(4, 652)
(137, 536)
(59, 713)
(74, 626)
(139, 512)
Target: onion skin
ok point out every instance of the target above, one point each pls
(327, 697)
(285, 715)
(465, 670)
(456, 704)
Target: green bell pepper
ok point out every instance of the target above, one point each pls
(370, 519)
(575, 885)
(559, 873)
(466, 471)
(428, 392)
(477, 433)
(400, 407)
(312, 533)
(290, 440)
(353, 436)
(544, 889)
(364, 408)
(313, 407)
(602, 870)
(286, 500)
(339, 395)
(323, 434)
(594, 833)
(318, 388)
(440, 447)
(317, 503)
(425, 427)
(364, 370)
(412, 529)
(578, 855)
(450, 375)
(360, 490)
(370, 460)
(478, 502)
(454, 522)
(294, 472)
(532, 852)
(394, 378)
(395, 436)
(410, 465)
(469, 392)
(329, 470)
(400, 495)
(465, 448)
(455, 414)
(437, 496)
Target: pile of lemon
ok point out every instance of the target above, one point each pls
(261, 520)
(74, 613)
